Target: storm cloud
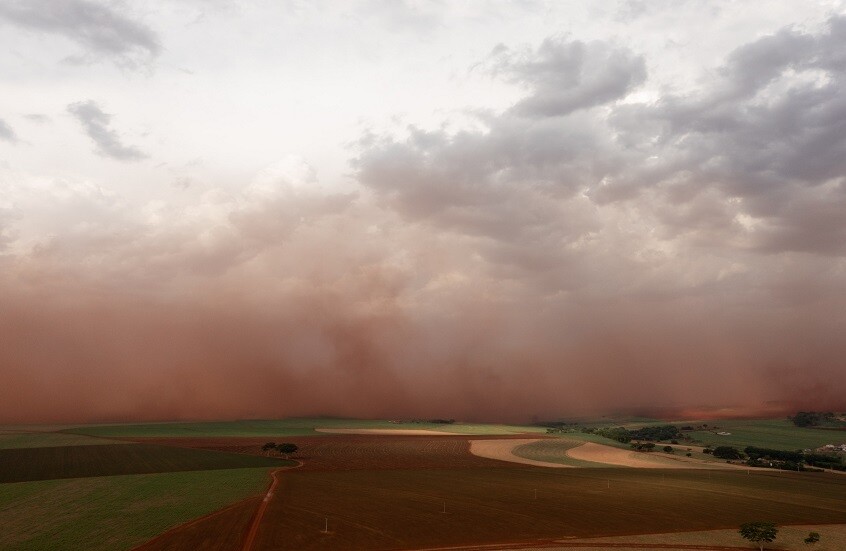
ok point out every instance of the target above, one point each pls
(588, 241)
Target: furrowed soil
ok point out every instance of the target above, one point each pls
(415, 492)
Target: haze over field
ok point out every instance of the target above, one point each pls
(484, 210)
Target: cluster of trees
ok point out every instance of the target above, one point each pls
(765, 532)
(727, 452)
(779, 459)
(812, 418)
(286, 448)
(624, 435)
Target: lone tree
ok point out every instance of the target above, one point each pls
(287, 449)
(759, 532)
(269, 446)
(813, 537)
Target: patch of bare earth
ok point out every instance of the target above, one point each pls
(503, 450)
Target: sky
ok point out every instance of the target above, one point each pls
(490, 210)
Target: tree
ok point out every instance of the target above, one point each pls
(813, 537)
(287, 448)
(727, 452)
(668, 449)
(269, 446)
(759, 532)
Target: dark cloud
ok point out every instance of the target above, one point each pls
(767, 134)
(564, 76)
(6, 132)
(99, 28)
(97, 126)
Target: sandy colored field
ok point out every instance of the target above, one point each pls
(600, 453)
(503, 450)
(388, 432)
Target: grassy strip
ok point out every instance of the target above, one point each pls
(115, 512)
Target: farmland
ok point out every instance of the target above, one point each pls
(392, 490)
(767, 433)
(114, 512)
(403, 508)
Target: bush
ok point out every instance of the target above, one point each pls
(668, 449)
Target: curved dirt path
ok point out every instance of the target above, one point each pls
(250, 538)
(503, 450)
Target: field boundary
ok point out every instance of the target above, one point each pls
(255, 522)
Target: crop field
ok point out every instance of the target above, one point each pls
(28, 464)
(114, 513)
(377, 491)
(404, 508)
(767, 433)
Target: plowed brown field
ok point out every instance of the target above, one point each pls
(413, 492)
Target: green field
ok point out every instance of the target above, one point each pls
(766, 433)
(278, 428)
(115, 512)
(27, 464)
